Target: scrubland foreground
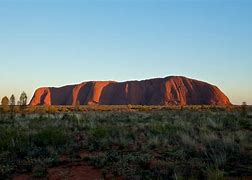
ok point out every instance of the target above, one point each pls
(127, 143)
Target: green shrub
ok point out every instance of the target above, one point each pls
(14, 140)
(214, 173)
(99, 132)
(50, 136)
(39, 170)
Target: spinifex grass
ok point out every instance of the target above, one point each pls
(133, 142)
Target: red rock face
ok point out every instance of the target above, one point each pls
(173, 90)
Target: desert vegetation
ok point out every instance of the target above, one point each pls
(128, 142)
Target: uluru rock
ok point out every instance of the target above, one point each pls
(172, 90)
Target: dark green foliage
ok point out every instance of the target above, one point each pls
(50, 136)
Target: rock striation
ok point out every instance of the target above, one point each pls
(172, 90)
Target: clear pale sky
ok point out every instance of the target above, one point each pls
(59, 42)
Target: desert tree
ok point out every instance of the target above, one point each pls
(23, 100)
(5, 103)
(12, 104)
(12, 100)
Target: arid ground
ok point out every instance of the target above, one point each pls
(126, 142)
